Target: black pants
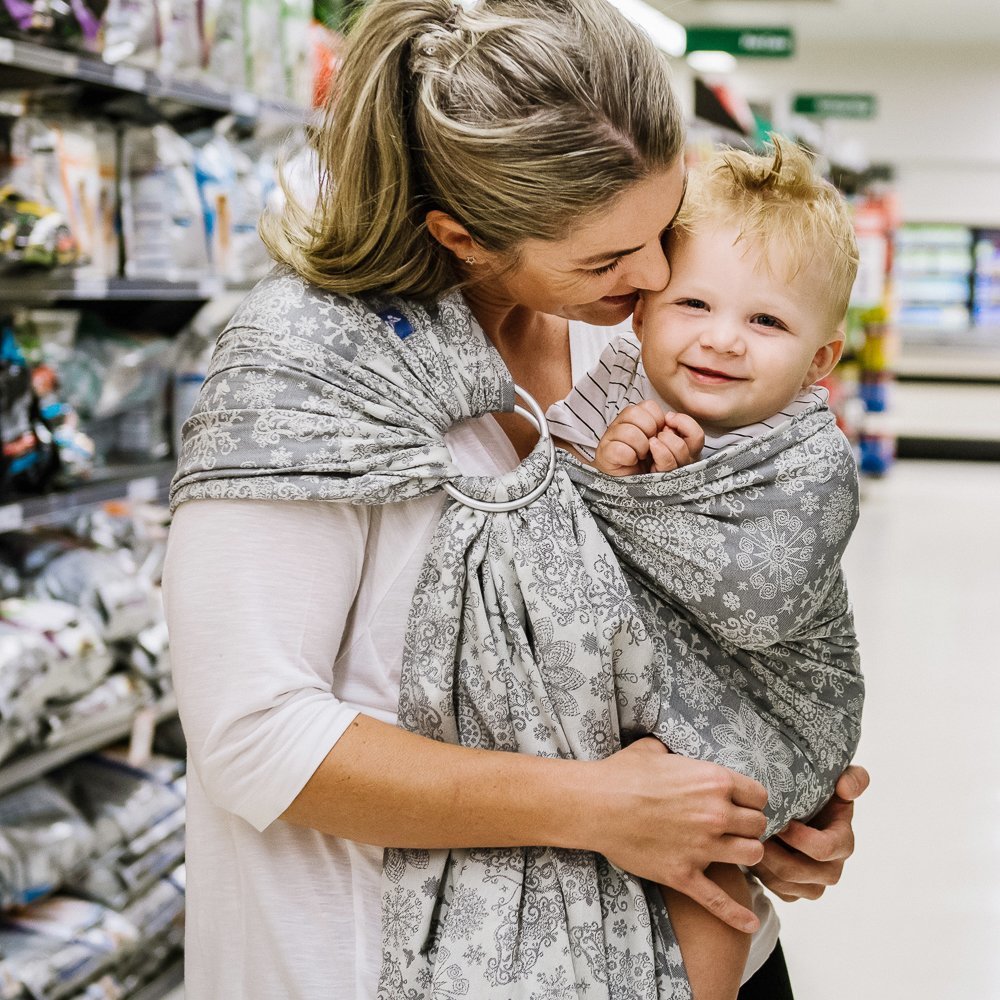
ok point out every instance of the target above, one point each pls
(770, 981)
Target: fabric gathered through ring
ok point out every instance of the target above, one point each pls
(534, 414)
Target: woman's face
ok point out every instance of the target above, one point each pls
(596, 273)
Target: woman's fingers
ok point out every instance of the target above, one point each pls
(719, 903)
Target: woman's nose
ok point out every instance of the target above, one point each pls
(648, 268)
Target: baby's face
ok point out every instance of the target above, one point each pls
(731, 341)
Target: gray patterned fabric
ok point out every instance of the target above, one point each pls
(730, 637)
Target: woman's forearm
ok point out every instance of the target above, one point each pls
(652, 813)
(385, 786)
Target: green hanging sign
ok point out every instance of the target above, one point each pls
(760, 43)
(858, 106)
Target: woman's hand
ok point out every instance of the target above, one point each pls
(802, 860)
(667, 818)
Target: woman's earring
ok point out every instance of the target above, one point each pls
(471, 260)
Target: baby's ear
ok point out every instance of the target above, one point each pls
(825, 360)
(638, 315)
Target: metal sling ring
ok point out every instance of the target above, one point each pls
(537, 417)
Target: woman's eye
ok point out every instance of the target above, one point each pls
(762, 319)
(607, 268)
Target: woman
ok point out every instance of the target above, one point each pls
(530, 153)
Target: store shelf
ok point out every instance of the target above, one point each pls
(78, 739)
(39, 59)
(146, 483)
(949, 362)
(45, 288)
(164, 985)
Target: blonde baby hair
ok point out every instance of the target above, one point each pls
(515, 117)
(777, 199)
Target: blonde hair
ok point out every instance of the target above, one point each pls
(777, 200)
(515, 117)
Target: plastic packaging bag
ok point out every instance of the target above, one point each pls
(163, 224)
(130, 28)
(224, 44)
(44, 839)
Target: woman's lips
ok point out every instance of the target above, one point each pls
(621, 300)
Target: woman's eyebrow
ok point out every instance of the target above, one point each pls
(610, 255)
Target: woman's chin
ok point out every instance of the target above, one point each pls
(609, 311)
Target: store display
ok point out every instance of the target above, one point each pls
(126, 210)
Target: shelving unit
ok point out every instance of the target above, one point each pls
(86, 737)
(127, 93)
(37, 61)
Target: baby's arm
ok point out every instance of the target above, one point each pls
(714, 953)
(643, 438)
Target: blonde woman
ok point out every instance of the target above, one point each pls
(503, 174)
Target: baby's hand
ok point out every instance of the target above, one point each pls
(678, 443)
(643, 438)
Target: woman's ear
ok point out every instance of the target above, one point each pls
(453, 236)
(825, 360)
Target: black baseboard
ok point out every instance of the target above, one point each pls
(948, 449)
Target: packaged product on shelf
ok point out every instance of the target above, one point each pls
(104, 586)
(118, 383)
(75, 25)
(180, 38)
(64, 162)
(32, 233)
(106, 937)
(157, 910)
(81, 660)
(35, 965)
(45, 338)
(163, 226)
(265, 72)
(130, 30)
(29, 459)
(223, 44)
(328, 54)
(297, 51)
(44, 839)
(117, 695)
(120, 802)
(25, 662)
(123, 874)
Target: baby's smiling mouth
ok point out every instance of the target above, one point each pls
(712, 374)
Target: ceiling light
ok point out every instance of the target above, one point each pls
(666, 33)
(712, 62)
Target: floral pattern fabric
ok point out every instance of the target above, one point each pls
(525, 633)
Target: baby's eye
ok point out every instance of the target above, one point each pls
(763, 319)
(693, 303)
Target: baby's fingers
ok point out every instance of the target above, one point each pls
(689, 430)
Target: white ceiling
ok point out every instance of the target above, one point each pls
(876, 22)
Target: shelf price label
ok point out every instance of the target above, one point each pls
(129, 77)
(6, 50)
(11, 517)
(143, 490)
(246, 105)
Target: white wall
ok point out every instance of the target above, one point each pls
(938, 121)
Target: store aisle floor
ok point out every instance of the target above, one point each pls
(917, 915)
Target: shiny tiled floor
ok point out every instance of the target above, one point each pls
(917, 915)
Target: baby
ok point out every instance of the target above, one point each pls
(763, 258)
